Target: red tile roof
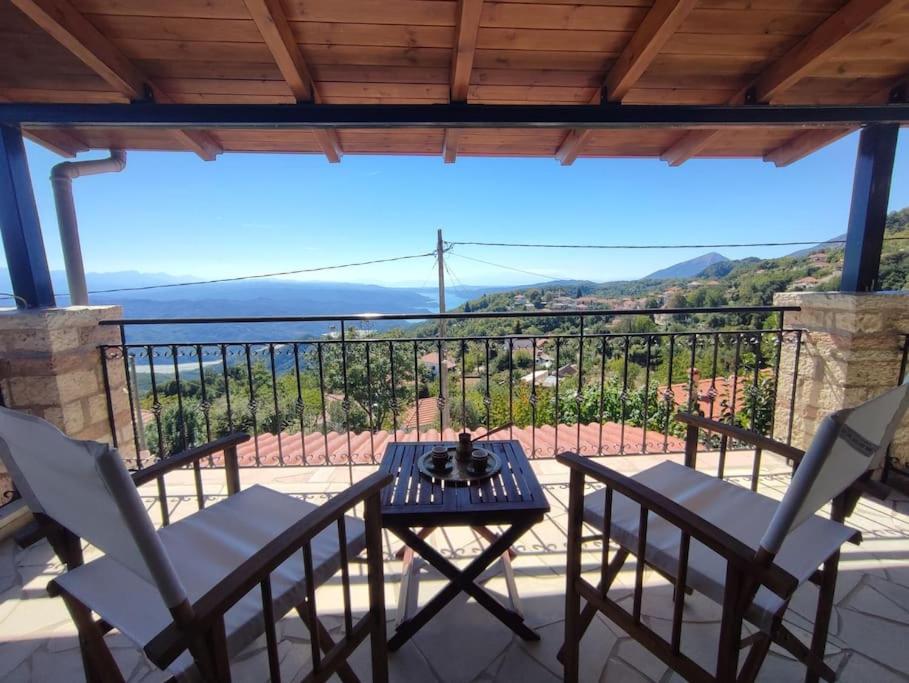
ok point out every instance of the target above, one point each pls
(429, 413)
(539, 442)
(714, 396)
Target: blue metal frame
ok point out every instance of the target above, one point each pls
(868, 213)
(20, 227)
(453, 115)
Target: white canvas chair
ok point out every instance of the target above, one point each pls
(745, 551)
(193, 593)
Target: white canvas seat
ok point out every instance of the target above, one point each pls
(737, 511)
(746, 552)
(205, 548)
(195, 592)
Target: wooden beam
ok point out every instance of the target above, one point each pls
(276, 32)
(78, 35)
(450, 145)
(687, 146)
(73, 31)
(279, 38)
(801, 145)
(465, 47)
(469, 12)
(817, 45)
(789, 69)
(572, 145)
(663, 19)
(58, 141)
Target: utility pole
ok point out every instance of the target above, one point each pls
(445, 410)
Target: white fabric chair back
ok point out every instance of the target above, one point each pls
(847, 444)
(84, 487)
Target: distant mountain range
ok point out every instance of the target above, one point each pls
(248, 298)
(688, 268)
(832, 242)
(268, 297)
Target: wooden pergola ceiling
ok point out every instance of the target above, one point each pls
(475, 51)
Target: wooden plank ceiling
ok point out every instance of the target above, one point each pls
(478, 51)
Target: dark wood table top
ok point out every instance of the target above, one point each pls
(414, 499)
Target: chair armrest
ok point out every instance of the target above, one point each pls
(753, 438)
(732, 549)
(168, 644)
(188, 457)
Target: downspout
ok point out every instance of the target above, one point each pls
(62, 180)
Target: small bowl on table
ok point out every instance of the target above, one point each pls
(439, 458)
(479, 460)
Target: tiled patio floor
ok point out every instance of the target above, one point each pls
(869, 631)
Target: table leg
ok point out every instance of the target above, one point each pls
(508, 571)
(462, 581)
(490, 536)
(510, 583)
(410, 581)
(423, 533)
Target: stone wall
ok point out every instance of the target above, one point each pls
(851, 351)
(50, 366)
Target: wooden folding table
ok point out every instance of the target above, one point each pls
(513, 498)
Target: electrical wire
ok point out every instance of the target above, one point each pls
(262, 275)
(731, 245)
(432, 271)
(457, 280)
(517, 270)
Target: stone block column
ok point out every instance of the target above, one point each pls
(50, 366)
(852, 347)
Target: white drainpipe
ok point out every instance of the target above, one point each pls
(62, 180)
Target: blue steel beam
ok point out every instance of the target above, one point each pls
(868, 213)
(19, 225)
(454, 115)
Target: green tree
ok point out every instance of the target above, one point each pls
(180, 429)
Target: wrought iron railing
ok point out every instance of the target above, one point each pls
(595, 382)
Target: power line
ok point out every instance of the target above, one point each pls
(517, 270)
(731, 245)
(262, 275)
(454, 277)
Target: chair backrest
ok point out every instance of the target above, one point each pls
(84, 487)
(847, 444)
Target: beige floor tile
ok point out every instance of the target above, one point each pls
(869, 628)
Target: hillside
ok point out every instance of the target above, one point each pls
(492, 383)
(746, 282)
(689, 268)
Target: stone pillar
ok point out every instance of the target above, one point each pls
(50, 366)
(852, 347)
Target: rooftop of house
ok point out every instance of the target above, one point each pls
(424, 413)
(367, 447)
(433, 359)
(715, 395)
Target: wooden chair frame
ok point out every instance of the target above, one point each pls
(747, 570)
(199, 626)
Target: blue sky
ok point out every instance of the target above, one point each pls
(247, 214)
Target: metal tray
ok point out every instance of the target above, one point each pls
(458, 472)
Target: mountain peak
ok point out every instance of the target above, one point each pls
(689, 268)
